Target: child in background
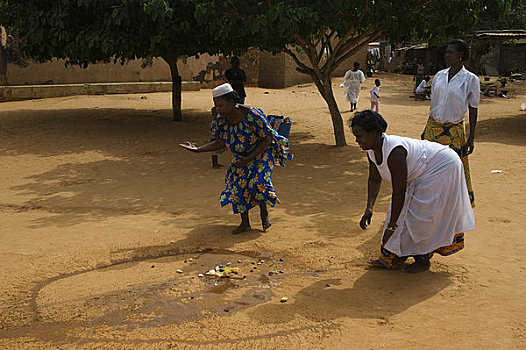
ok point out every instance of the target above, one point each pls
(375, 95)
(215, 154)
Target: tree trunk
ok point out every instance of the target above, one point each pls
(3, 65)
(325, 89)
(176, 88)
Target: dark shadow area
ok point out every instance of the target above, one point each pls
(510, 130)
(110, 131)
(128, 162)
(123, 161)
(202, 239)
(375, 294)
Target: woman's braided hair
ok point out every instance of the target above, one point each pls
(369, 120)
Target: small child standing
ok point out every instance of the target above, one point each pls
(215, 154)
(375, 95)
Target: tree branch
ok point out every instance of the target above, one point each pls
(302, 67)
(372, 37)
(310, 50)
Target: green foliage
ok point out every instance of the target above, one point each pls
(84, 31)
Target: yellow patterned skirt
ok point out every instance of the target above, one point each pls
(454, 136)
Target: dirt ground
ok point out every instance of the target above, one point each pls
(100, 209)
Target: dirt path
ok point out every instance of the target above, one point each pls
(100, 208)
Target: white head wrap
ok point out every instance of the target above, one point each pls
(222, 90)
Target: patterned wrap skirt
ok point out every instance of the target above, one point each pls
(452, 135)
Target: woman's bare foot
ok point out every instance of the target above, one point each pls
(398, 264)
(265, 222)
(421, 264)
(241, 228)
(377, 263)
(217, 166)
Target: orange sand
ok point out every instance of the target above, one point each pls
(94, 189)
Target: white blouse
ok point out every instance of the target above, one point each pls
(450, 100)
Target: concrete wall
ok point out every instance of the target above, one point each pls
(205, 69)
(272, 70)
(279, 71)
(55, 72)
(515, 58)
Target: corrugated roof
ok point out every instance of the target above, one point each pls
(413, 47)
(502, 34)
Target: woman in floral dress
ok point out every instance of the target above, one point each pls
(257, 149)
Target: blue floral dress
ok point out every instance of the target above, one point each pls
(250, 185)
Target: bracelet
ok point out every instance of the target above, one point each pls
(392, 227)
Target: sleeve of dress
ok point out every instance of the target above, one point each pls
(262, 127)
(362, 77)
(215, 129)
(474, 92)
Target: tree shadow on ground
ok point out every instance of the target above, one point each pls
(375, 293)
(117, 162)
(510, 130)
(202, 239)
(133, 165)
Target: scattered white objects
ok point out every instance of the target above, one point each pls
(212, 272)
(179, 271)
(523, 106)
(496, 171)
(284, 299)
(172, 242)
(200, 275)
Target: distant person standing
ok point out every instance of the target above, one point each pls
(375, 95)
(353, 81)
(454, 91)
(420, 71)
(236, 78)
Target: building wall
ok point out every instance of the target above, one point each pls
(271, 70)
(515, 58)
(279, 71)
(206, 69)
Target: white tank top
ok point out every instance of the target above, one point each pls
(418, 154)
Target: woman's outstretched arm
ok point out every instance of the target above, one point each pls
(214, 145)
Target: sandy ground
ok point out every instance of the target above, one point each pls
(100, 208)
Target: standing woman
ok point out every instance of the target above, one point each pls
(454, 91)
(353, 81)
(430, 209)
(257, 149)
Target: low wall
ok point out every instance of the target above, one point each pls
(23, 92)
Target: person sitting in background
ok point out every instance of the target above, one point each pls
(424, 87)
(420, 71)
